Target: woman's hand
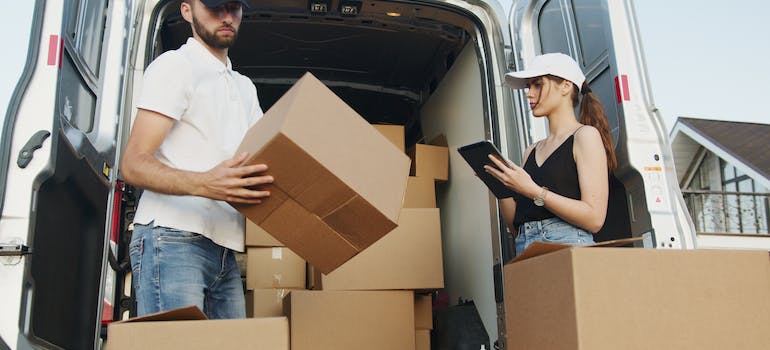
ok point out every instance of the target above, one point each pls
(513, 177)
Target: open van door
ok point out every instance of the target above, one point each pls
(602, 36)
(57, 183)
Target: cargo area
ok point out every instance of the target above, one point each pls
(395, 64)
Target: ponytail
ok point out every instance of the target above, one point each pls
(592, 113)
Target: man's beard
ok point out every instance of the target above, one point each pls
(211, 38)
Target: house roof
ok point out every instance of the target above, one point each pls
(745, 145)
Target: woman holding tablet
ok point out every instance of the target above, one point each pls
(563, 187)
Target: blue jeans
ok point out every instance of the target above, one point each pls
(553, 230)
(173, 268)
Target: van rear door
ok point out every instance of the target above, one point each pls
(602, 36)
(56, 180)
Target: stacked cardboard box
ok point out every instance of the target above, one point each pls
(423, 321)
(272, 270)
(410, 257)
(188, 329)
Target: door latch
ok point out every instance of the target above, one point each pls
(34, 142)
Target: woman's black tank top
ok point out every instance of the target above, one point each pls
(558, 173)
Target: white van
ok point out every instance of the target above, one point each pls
(435, 66)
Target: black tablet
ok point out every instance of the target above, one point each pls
(477, 155)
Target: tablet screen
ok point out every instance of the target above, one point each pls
(476, 154)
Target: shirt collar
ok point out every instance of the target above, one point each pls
(204, 53)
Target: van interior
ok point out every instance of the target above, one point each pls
(414, 65)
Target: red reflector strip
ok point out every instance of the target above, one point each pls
(53, 49)
(622, 91)
(626, 92)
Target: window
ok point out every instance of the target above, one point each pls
(85, 27)
(589, 19)
(552, 29)
(79, 77)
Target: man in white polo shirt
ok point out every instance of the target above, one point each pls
(192, 113)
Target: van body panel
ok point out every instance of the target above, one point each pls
(437, 69)
(60, 204)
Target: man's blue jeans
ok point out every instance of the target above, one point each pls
(173, 268)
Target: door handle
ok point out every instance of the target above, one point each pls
(34, 142)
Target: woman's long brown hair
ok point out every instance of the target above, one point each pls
(592, 113)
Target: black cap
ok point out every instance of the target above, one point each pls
(217, 3)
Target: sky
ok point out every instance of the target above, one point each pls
(704, 60)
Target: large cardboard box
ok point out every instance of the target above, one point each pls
(188, 329)
(635, 298)
(420, 193)
(394, 133)
(257, 237)
(408, 258)
(351, 320)
(276, 267)
(429, 161)
(339, 184)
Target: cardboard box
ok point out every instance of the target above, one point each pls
(342, 320)
(635, 298)
(429, 161)
(339, 184)
(257, 237)
(423, 312)
(188, 329)
(410, 257)
(422, 339)
(394, 133)
(420, 193)
(267, 302)
(276, 267)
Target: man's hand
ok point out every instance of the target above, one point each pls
(228, 181)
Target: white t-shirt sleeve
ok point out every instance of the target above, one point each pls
(165, 87)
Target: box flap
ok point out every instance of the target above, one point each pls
(537, 249)
(618, 242)
(540, 248)
(186, 313)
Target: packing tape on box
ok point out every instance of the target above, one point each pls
(279, 296)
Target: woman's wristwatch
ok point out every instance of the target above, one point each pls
(540, 200)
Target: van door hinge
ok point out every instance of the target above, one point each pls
(14, 250)
(34, 142)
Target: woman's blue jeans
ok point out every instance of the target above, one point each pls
(553, 230)
(173, 268)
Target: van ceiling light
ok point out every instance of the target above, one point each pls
(350, 8)
(393, 14)
(319, 7)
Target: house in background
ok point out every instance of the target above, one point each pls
(723, 169)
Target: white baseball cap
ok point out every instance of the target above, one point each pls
(557, 64)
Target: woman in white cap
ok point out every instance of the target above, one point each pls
(563, 187)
